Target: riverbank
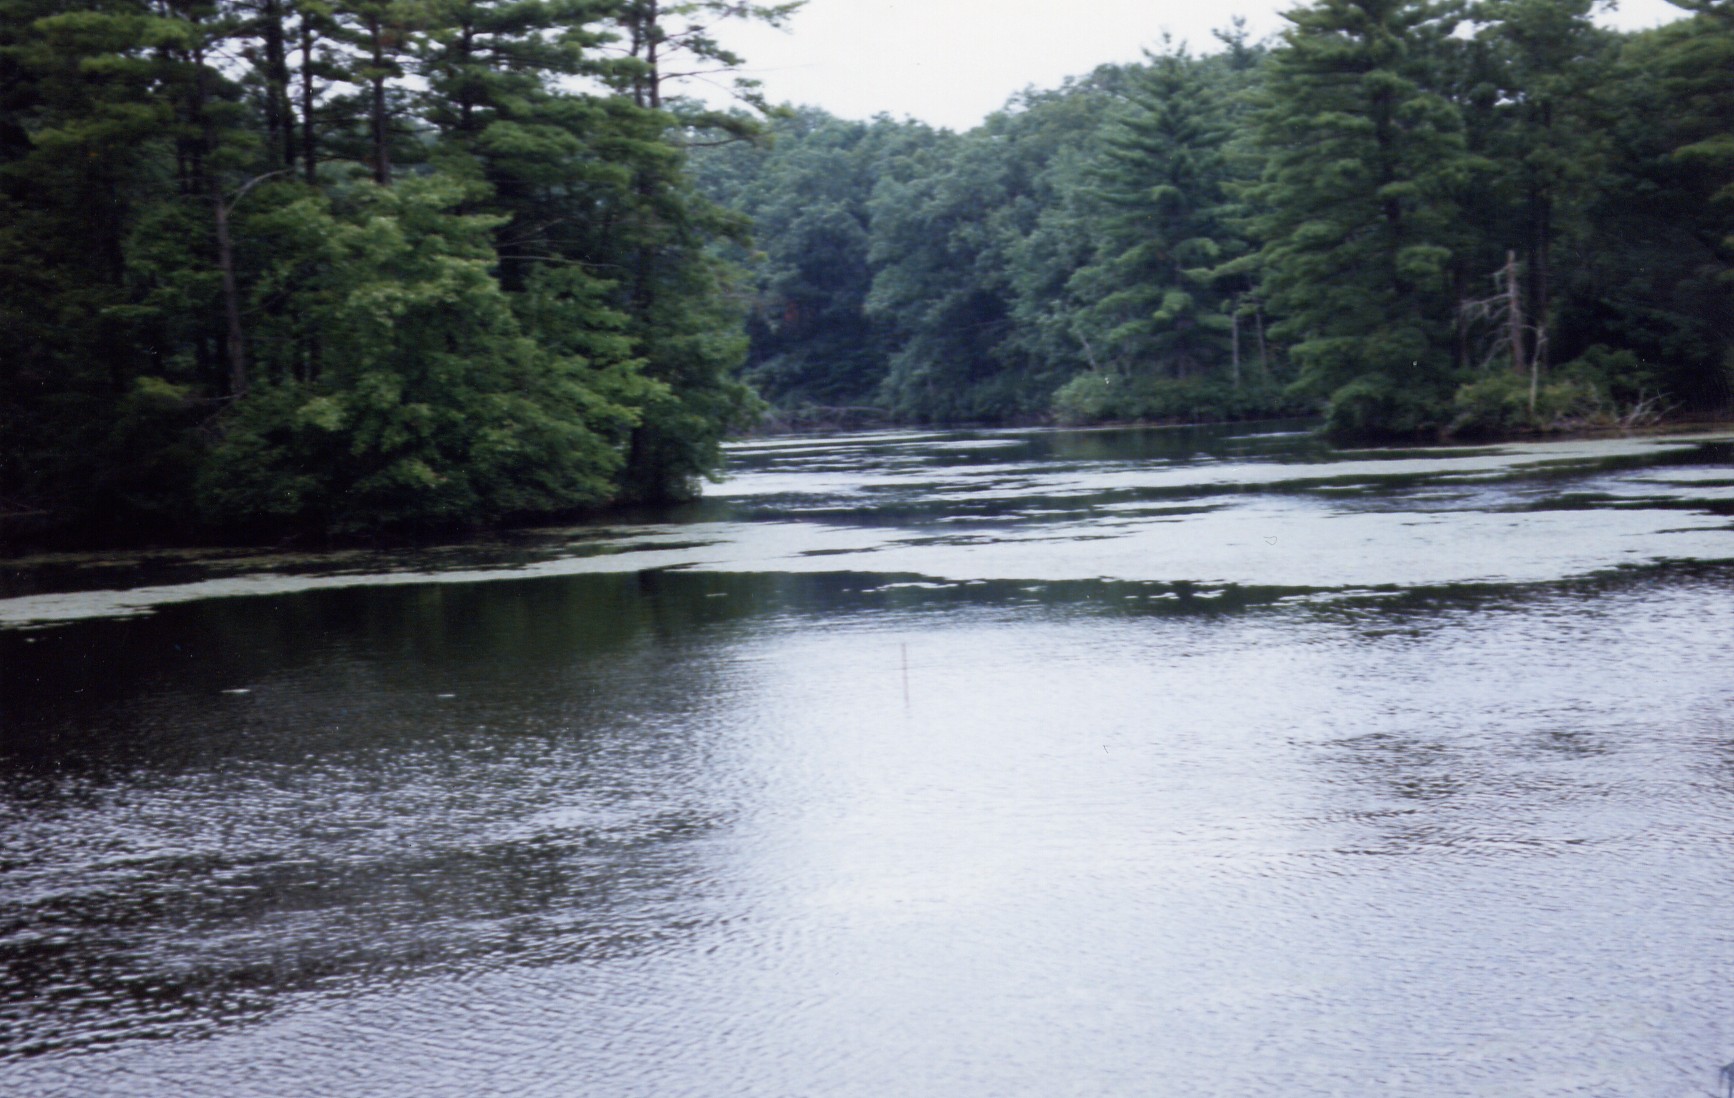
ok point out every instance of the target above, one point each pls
(166, 552)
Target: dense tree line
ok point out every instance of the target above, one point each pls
(1421, 217)
(349, 266)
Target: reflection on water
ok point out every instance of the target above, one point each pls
(1107, 828)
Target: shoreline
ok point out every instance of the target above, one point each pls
(51, 553)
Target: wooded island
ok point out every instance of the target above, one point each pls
(290, 267)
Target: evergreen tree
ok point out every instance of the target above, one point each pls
(1161, 187)
(1364, 159)
(341, 265)
(681, 301)
(1543, 61)
(1699, 83)
(1647, 298)
(1055, 233)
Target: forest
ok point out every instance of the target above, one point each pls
(287, 267)
(1420, 219)
(297, 268)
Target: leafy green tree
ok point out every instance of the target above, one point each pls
(938, 283)
(962, 259)
(668, 41)
(1698, 81)
(815, 351)
(1055, 226)
(433, 408)
(352, 265)
(681, 300)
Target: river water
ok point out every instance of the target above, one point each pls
(1143, 762)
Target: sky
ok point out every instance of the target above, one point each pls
(952, 62)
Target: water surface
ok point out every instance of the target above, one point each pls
(995, 763)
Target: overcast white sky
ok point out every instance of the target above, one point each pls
(951, 62)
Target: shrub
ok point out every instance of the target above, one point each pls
(1500, 404)
(1370, 409)
(1102, 398)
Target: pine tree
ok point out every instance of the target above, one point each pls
(1160, 184)
(1364, 159)
(1699, 78)
(1657, 275)
(1543, 61)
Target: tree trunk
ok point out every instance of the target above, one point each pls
(466, 97)
(1537, 282)
(1090, 353)
(651, 60)
(1514, 313)
(309, 140)
(1234, 342)
(1541, 247)
(1384, 127)
(381, 123)
(1263, 357)
(234, 343)
(1460, 291)
(279, 115)
(648, 94)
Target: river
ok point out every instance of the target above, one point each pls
(1135, 762)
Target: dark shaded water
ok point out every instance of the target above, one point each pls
(1171, 763)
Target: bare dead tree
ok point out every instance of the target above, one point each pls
(1234, 342)
(1509, 330)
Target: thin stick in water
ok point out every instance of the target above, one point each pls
(906, 674)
